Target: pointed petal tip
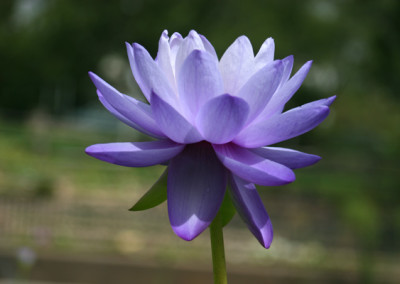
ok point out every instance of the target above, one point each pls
(175, 35)
(330, 100)
(303, 71)
(315, 159)
(95, 79)
(92, 75)
(243, 37)
(128, 45)
(193, 35)
(269, 41)
(184, 235)
(305, 68)
(243, 40)
(265, 238)
(94, 150)
(190, 229)
(90, 150)
(289, 57)
(265, 235)
(137, 47)
(289, 178)
(266, 243)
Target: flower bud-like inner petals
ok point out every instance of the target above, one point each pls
(221, 118)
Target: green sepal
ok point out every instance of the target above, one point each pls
(156, 195)
(227, 209)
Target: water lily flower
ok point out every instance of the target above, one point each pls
(213, 122)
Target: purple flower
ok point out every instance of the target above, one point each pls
(212, 120)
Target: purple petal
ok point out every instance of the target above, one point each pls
(148, 74)
(175, 43)
(135, 154)
(259, 89)
(221, 118)
(251, 209)
(199, 80)
(190, 43)
(287, 69)
(266, 54)
(176, 39)
(172, 123)
(282, 127)
(127, 108)
(321, 102)
(208, 46)
(164, 59)
(196, 188)
(288, 157)
(286, 91)
(252, 167)
(125, 120)
(237, 64)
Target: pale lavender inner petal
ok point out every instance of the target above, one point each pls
(237, 64)
(259, 89)
(175, 43)
(164, 59)
(199, 80)
(285, 92)
(221, 118)
(172, 123)
(150, 77)
(189, 43)
(265, 55)
(287, 68)
(208, 46)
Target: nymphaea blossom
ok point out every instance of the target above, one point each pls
(213, 121)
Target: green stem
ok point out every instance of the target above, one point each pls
(218, 251)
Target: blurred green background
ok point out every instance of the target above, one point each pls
(63, 215)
